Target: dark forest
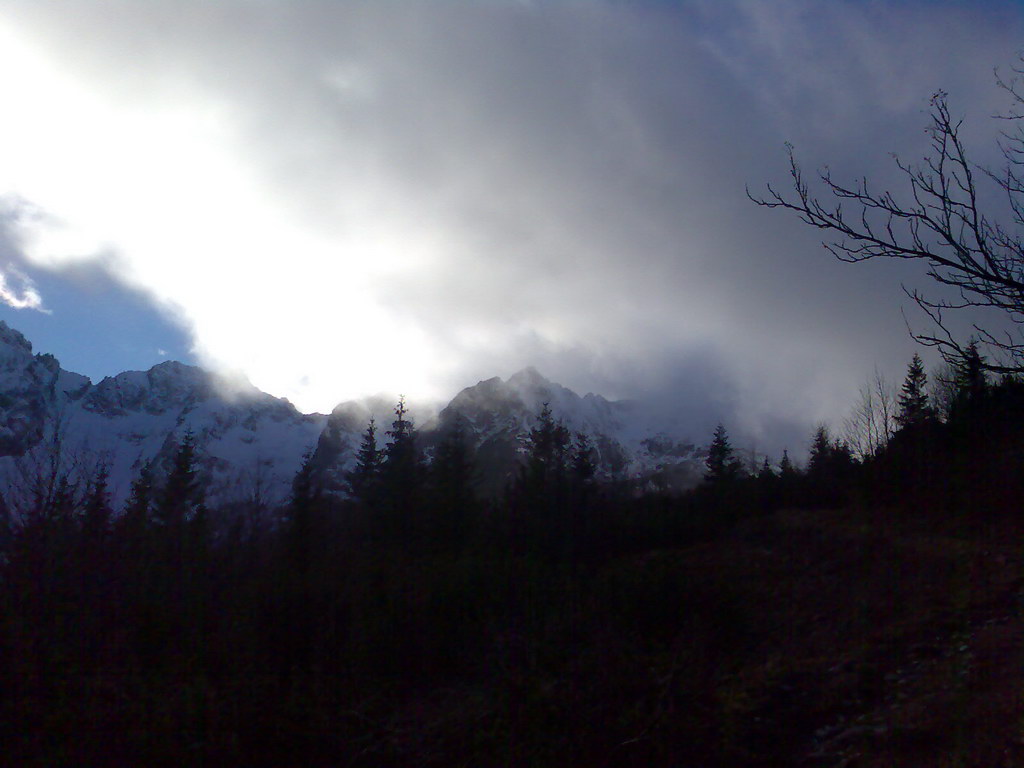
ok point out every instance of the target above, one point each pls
(781, 616)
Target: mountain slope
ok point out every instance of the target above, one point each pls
(251, 444)
(53, 421)
(498, 416)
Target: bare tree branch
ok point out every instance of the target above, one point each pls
(940, 223)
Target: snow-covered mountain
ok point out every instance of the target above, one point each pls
(251, 444)
(498, 416)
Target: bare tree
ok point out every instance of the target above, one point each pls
(753, 459)
(34, 478)
(260, 495)
(53, 468)
(940, 222)
(872, 423)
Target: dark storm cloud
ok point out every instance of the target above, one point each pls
(576, 173)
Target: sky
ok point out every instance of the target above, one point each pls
(337, 199)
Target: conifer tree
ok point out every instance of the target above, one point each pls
(452, 471)
(364, 477)
(96, 515)
(304, 489)
(819, 460)
(140, 499)
(583, 466)
(829, 468)
(181, 498)
(452, 480)
(842, 454)
(548, 449)
(786, 468)
(400, 452)
(913, 400)
(722, 464)
(62, 505)
(299, 524)
(401, 468)
(971, 379)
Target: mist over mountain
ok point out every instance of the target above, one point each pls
(250, 444)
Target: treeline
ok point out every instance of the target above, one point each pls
(414, 622)
(950, 446)
(172, 631)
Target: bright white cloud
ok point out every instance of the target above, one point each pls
(167, 186)
(338, 199)
(23, 295)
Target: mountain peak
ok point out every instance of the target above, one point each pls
(14, 339)
(174, 371)
(528, 377)
(248, 438)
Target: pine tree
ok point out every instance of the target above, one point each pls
(96, 516)
(401, 468)
(364, 477)
(722, 464)
(828, 458)
(766, 472)
(452, 484)
(181, 498)
(913, 400)
(842, 455)
(305, 490)
(452, 471)
(548, 450)
(400, 452)
(583, 466)
(971, 379)
(62, 504)
(820, 458)
(140, 499)
(829, 469)
(786, 468)
(299, 523)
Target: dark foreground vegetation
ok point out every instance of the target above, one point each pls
(865, 607)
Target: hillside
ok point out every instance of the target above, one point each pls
(857, 611)
(804, 638)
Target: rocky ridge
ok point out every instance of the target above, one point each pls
(251, 444)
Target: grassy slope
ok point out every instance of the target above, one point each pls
(866, 639)
(805, 638)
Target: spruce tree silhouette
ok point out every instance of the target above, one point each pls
(300, 521)
(544, 476)
(401, 475)
(452, 480)
(181, 498)
(820, 456)
(913, 403)
(971, 381)
(786, 468)
(584, 467)
(96, 513)
(364, 478)
(722, 464)
(139, 507)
